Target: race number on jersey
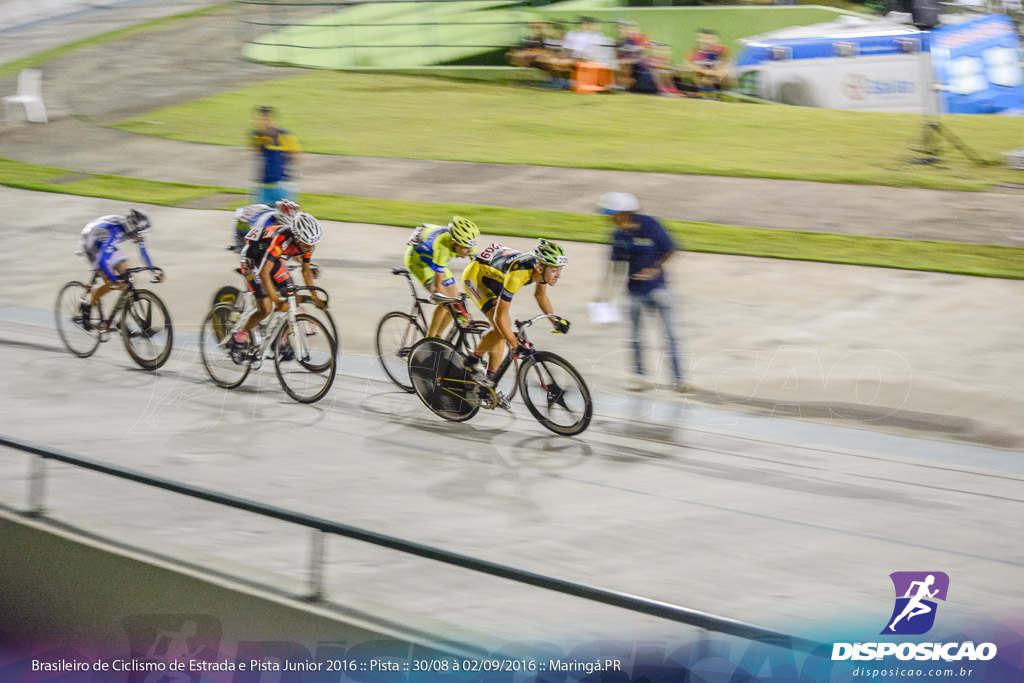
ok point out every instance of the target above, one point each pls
(488, 254)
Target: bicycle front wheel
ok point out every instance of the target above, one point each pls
(327, 319)
(441, 380)
(555, 393)
(396, 334)
(70, 325)
(146, 329)
(225, 371)
(305, 364)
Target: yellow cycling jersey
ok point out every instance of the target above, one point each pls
(498, 272)
(430, 248)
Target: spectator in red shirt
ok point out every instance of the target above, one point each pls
(707, 62)
(629, 50)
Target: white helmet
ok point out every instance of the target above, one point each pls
(306, 228)
(617, 202)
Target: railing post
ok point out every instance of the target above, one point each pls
(316, 566)
(37, 488)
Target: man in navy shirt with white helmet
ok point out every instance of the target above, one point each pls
(641, 246)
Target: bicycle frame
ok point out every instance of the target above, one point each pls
(417, 301)
(510, 357)
(119, 304)
(465, 325)
(275, 325)
(248, 299)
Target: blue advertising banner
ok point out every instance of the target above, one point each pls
(977, 63)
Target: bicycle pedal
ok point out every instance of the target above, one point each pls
(487, 398)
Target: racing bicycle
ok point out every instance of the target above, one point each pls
(553, 390)
(243, 300)
(398, 331)
(303, 348)
(138, 314)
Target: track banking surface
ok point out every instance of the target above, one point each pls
(658, 498)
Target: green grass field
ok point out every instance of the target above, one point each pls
(434, 118)
(947, 257)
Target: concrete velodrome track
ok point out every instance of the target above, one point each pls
(786, 523)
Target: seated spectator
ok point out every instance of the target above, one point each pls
(533, 50)
(586, 43)
(629, 51)
(655, 72)
(708, 62)
(583, 44)
(557, 62)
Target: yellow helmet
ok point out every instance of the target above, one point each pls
(464, 232)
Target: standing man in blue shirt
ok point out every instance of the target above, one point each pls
(278, 150)
(640, 248)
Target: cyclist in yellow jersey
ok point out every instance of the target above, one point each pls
(430, 248)
(492, 279)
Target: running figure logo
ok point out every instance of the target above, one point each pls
(916, 593)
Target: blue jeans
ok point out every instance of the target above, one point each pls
(270, 193)
(656, 301)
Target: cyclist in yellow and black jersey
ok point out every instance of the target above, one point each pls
(492, 280)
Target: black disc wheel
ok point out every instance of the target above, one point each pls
(441, 380)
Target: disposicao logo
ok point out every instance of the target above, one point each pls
(916, 593)
(914, 615)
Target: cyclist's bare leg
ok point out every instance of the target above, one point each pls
(442, 317)
(107, 285)
(263, 309)
(492, 343)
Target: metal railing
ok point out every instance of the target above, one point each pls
(320, 527)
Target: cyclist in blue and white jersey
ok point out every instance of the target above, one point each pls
(99, 240)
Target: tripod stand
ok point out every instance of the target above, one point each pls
(929, 146)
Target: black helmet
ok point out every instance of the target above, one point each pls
(137, 223)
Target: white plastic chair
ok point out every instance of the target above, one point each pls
(30, 94)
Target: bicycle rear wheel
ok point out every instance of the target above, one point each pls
(224, 370)
(70, 326)
(441, 380)
(555, 393)
(146, 329)
(306, 365)
(396, 334)
(226, 295)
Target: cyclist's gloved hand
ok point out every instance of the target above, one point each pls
(525, 350)
(561, 326)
